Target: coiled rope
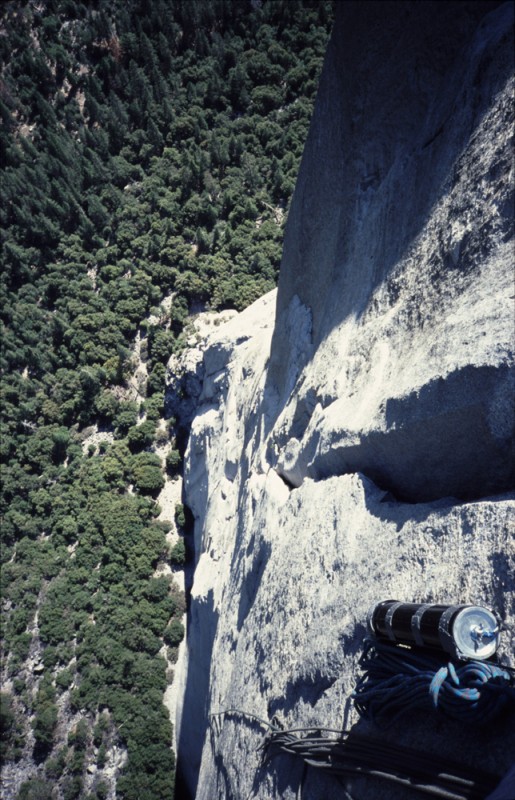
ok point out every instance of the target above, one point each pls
(344, 754)
(398, 680)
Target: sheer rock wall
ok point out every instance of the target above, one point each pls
(353, 438)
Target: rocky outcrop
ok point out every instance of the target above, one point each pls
(351, 439)
(399, 248)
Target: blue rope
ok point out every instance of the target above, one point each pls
(398, 680)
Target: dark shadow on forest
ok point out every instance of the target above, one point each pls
(203, 621)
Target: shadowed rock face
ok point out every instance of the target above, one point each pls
(352, 440)
(399, 248)
(405, 89)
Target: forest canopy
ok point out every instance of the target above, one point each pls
(149, 152)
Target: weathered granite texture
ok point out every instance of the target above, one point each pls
(399, 248)
(353, 440)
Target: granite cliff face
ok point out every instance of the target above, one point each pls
(353, 436)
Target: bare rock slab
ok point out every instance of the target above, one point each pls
(351, 440)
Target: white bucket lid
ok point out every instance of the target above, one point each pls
(475, 631)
